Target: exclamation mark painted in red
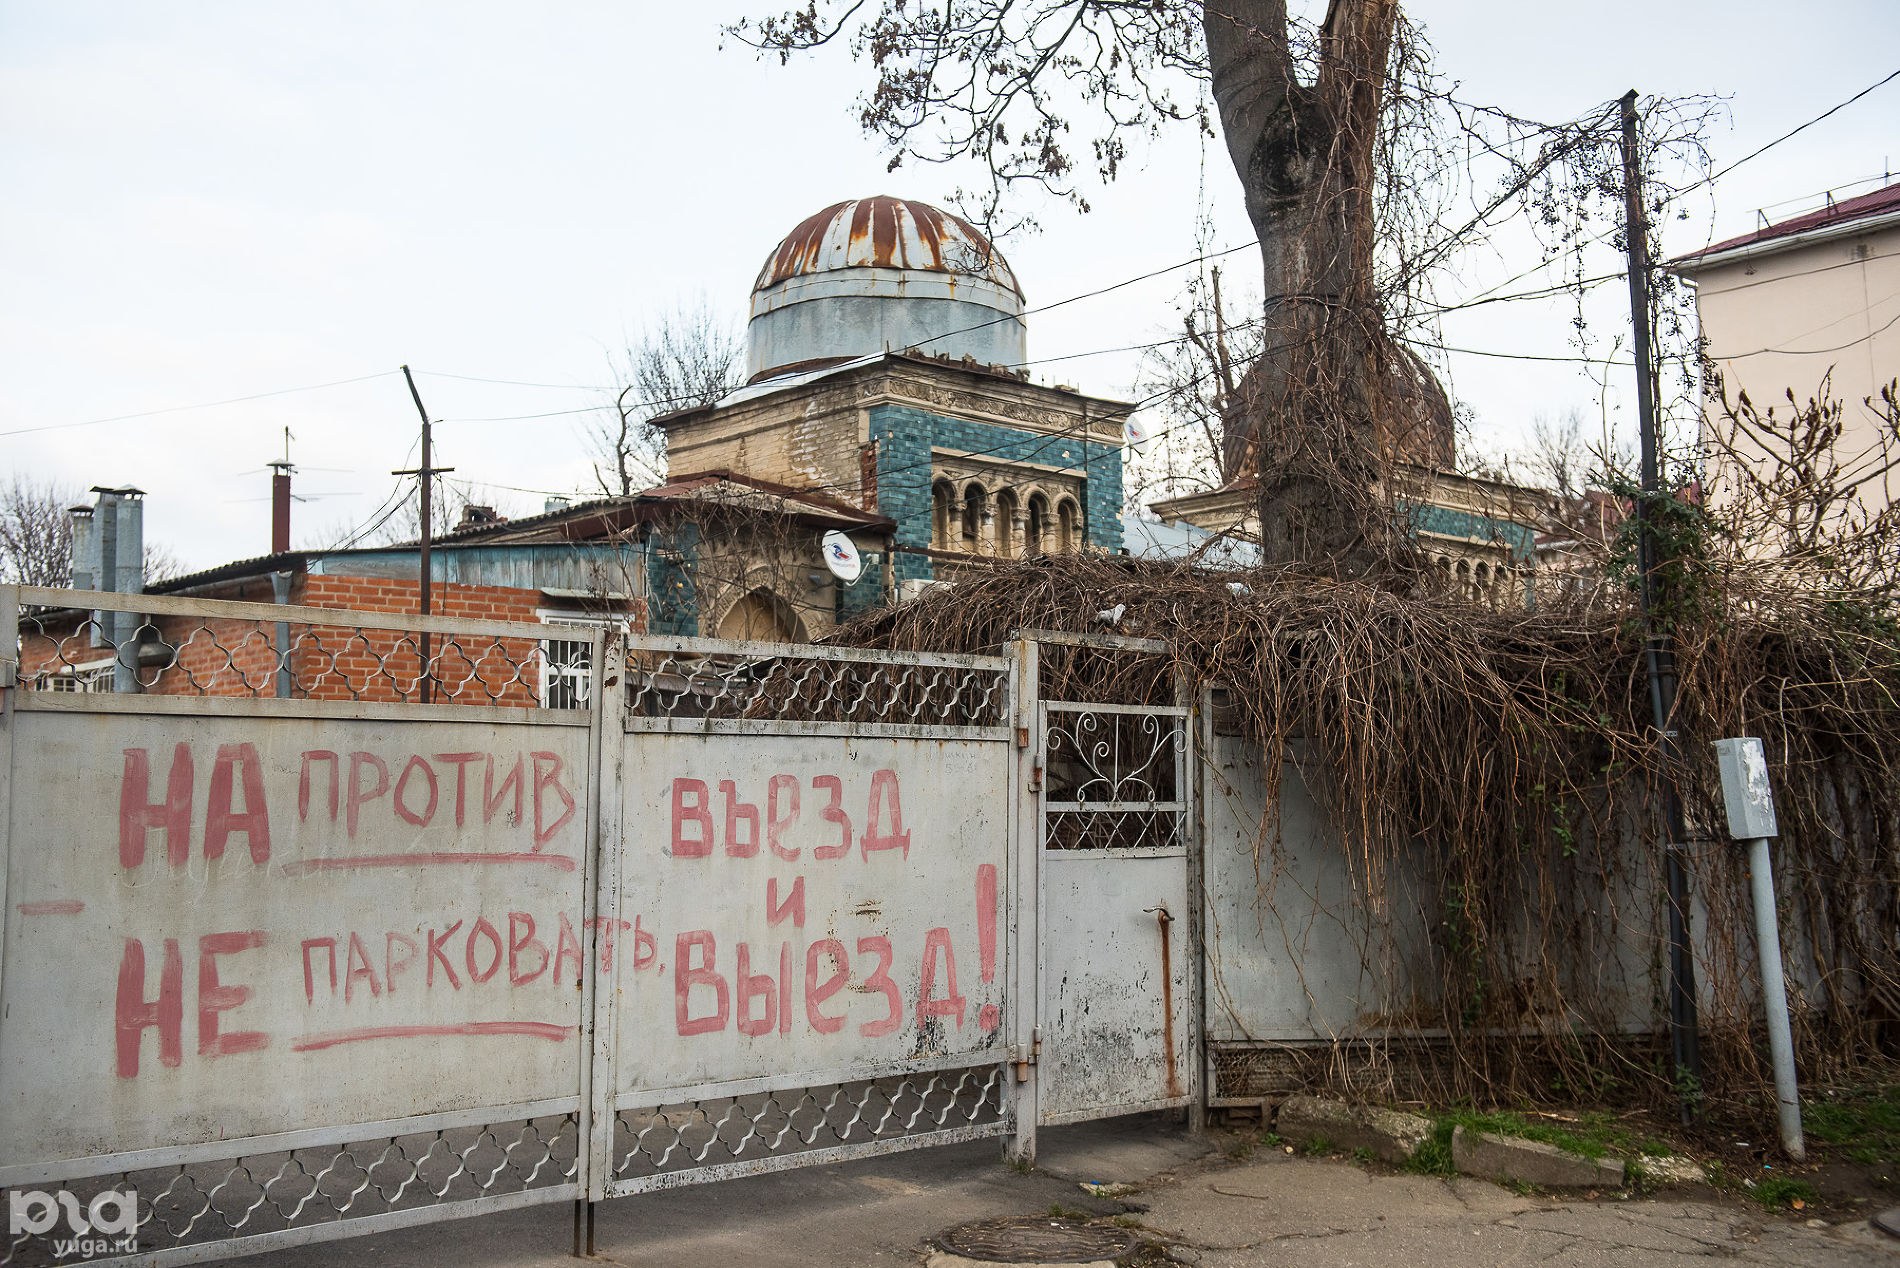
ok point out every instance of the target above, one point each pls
(989, 1017)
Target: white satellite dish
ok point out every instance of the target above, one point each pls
(841, 556)
(1135, 433)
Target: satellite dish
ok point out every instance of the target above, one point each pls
(1134, 432)
(841, 556)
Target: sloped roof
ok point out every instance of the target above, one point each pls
(580, 522)
(1881, 202)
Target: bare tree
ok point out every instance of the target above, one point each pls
(1563, 455)
(1351, 156)
(1330, 390)
(1191, 384)
(687, 358)
(454, 502)
(1801, 501)
(36, 533)
(36, 536)
(161, 564)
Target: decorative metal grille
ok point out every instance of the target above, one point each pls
(303, 1189)
(217, 655)
(664, 1145)
(1114, 777)
(694, 679)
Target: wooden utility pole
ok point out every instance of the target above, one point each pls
(425, 480)
(1657, 651)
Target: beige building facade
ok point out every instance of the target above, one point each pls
(1808, 306)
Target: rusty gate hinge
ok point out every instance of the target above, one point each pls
(1022, 737)
(1035, 778)
(1024, 1057)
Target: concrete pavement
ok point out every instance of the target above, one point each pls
(1209, 1209)
(1282, 1210)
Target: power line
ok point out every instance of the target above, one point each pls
(1794, 132)
(471, 486)
(1808, 352)
(553, 413)
(179, 409)
(1518, 356)
(1104, 290)
(565, 387)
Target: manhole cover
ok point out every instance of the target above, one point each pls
(1888, 1222)
(1038, 1239)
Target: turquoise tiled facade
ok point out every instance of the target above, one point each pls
(672, 585)
(905, 436)
(1517, 538)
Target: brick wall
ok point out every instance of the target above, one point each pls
(218, 656)
(338, 663)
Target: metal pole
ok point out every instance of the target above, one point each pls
(280, 642)
(1774, 993)
(425, 477)
(1658, 657)
(1023, 905)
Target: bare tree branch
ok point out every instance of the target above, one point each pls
(689, 357)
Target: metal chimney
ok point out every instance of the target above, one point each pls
(280, 506)
(129, 561)
(84, 572)
(109, 555)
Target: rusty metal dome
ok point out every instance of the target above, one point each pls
(886, 233)
(882, 274)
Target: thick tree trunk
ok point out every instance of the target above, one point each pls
(1333, 398)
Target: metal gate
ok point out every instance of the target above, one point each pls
(818, 906)
(315, 923)
(342, 921)
(1118, 941)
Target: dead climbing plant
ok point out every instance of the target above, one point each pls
(1490, 772)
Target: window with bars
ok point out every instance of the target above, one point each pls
(567, 665)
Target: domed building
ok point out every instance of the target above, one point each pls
(877, 274)
(887, 370)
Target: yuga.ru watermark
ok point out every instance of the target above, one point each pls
(107, 1225)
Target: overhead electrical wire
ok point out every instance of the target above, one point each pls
(1794, 132)
(180, 409)
(1808, 352)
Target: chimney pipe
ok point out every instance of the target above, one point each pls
(279, 507)
(129, 561)
(85, 563)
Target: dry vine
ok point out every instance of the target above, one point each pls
(1485, 771)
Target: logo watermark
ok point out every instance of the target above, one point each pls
(107, 1225)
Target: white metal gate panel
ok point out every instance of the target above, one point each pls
(1117, 973)
(812, 910)
(288, 969)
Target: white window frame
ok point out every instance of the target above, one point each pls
(88, 678)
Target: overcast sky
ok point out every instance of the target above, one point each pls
(214, 200)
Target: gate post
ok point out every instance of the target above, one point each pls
(606, 751)
(9, 688)
(1025, 899)
(1199, 737)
